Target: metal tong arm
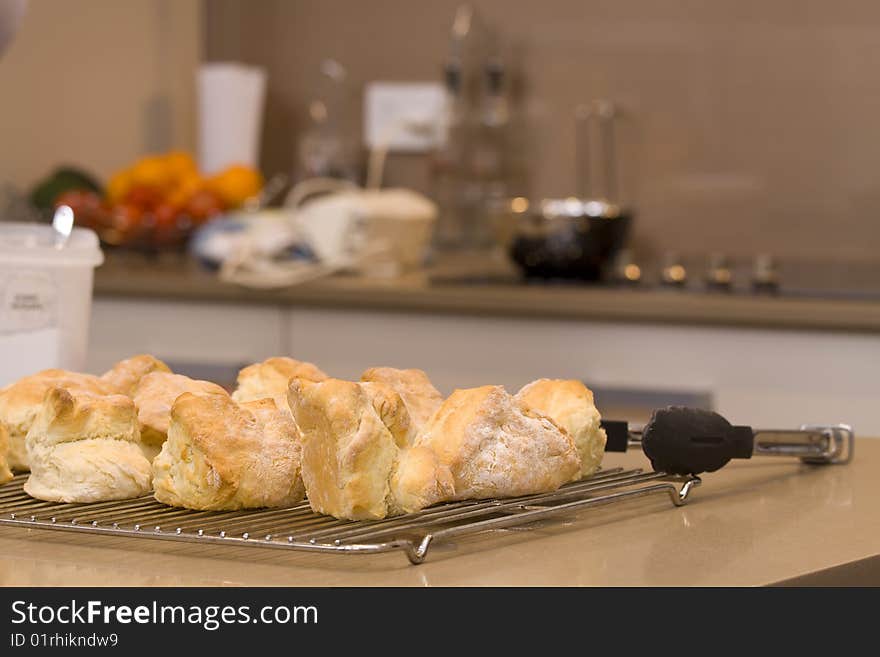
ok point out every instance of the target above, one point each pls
(832, 444)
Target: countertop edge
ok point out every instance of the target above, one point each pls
(540, 302)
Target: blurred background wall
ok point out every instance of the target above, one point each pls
(754, 122)
(114, 79)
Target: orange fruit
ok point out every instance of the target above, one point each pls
(150, 171)
(146, 198)
(118, 186)
(235, 184)
(184, 189)
(203, 205)
(179, 165)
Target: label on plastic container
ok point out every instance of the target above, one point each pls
(29, 333)
(29, 301)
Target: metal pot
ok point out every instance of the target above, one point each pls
(564, 238)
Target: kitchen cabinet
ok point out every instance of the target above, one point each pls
(208, 340)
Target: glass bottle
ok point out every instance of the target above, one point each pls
(447, 165)
(488, 183)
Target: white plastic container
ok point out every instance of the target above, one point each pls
(45, 298)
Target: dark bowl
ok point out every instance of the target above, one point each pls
(564, 238)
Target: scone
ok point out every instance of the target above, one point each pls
(496, 446)
(124, 376)
(270, 378)
(355, 463)
(85, 448)
(570, 405)
(221, 455)
(422, 399)
(21, 401)
(153, 397)
(5, 472)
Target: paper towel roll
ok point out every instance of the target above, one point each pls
(231, 99)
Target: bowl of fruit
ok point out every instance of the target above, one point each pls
(152, 205)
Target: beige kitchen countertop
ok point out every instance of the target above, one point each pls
(441, 289)
(757, 522)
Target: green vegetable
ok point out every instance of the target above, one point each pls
(63, 179)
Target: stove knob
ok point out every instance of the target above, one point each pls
(674, 272)
(719, 275)
(765, 274)
(626, 270)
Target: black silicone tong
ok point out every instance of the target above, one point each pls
(685, 441)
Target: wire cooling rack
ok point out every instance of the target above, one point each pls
(299, 528)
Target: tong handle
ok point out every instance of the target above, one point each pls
(683, 441)
(617, 434)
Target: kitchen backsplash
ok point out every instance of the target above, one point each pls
(752, 126)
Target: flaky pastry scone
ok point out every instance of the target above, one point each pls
(154, 395)
(422, 399)
(569, 403)
(85, 448)
(21, 401)
(495, 446)
(5, 472)
(124, 377)
(355, 461)
(221, 455)
(270, 379)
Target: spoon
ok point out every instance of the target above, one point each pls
(62, 224)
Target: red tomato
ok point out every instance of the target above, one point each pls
(79, 200)
(86, 205)
(146, 198)
(202, 206)
(166, 215)
(122, 224)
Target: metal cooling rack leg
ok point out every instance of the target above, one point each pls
(678, 496)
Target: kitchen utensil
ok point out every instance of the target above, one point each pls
(690, 441)
(577, 237)
(567, 238)
(719, 273)
(270, 191)
(323, 150)
(62, 224)
(765, 274)
(673, 272)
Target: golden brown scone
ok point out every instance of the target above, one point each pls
(124, 376)
(419, 480)
(269, 379)
(86, 448)
(422, 399)
(21, 401)
(495, 446)
(569, 403)
(353, 465)
(392, 411)
(221, 455)
(5, 472)
(154, 396)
